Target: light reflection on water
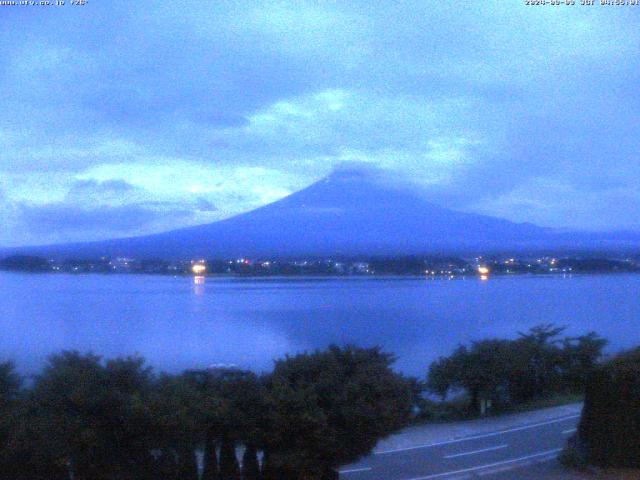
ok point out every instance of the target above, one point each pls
(198, 285)
(180, 322)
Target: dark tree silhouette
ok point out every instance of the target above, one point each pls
(210, 471)
(10, 383)
(250, 466)
(87, 419)
(229, 468)
(609, 431)
(331, 407)
(510, 372)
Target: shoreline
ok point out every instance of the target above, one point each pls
(214, 277)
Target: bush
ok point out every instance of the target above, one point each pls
(90, 419)
(573, 455)
(508, 373)
(610, 424)
(331, 407)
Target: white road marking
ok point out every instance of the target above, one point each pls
(354, 470)
(475, 437)
(489, 465)
(489, 449)
(571, 430)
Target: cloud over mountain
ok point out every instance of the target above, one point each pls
(93, 209)
(238, 104)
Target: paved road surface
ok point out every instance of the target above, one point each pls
(488, 454)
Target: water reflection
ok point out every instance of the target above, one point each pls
(198, 285)
(180, 322)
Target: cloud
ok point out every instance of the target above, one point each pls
(93, 209)
(557, 203)
(205, 205)
(227, 187)
(226, 106)
(92, 191)
(66, 219)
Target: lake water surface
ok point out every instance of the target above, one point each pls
(176, 324)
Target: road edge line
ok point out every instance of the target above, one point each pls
(475, 437)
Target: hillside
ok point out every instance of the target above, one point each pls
(343, 214)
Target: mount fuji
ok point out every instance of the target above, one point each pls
(345, 213)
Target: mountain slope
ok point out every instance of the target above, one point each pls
(342, 214)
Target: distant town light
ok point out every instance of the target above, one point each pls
(483, 270)
(198, 269)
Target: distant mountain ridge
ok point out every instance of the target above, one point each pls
(343, 214)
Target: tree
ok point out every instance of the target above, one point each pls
(65, 401)
(511, 372)
(444, 374)
(25, 263)
(177, 407)
(229, 468)
(10, 383)
(210, 458)
(609, 430)
(232, 412)
(250, 466)
(86, 420)
(580, 359)
(483, 371)
(128, 423)
(538, 362)
(331, 407)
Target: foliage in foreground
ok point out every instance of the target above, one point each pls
(509, 373)
(333, 407)
(87, 419)
(609, 431)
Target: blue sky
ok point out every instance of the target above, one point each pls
(122, 118)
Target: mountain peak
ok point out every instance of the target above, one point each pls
(354, 171)
(355, 210)
(355, 187)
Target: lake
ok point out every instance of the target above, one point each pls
(176, 324)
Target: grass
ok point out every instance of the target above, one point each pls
(547, 402)
(458, 409)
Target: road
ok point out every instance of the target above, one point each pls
(488, 454)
